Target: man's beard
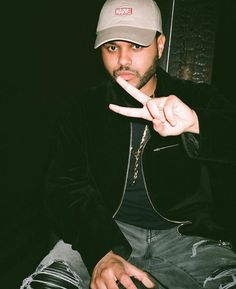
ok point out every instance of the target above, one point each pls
(143, 79)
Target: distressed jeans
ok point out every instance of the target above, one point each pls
(176, 261)
(182, 262)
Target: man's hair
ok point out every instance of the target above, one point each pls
(157, 34)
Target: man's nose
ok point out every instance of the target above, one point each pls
(125, 58)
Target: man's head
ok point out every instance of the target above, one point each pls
(134, 21)
(129, 33)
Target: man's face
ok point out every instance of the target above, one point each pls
(134, 63)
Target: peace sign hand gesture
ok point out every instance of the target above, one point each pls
(169, 115)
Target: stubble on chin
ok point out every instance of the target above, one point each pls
(141, 79)
(148, 74)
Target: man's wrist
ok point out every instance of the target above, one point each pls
(194, 128)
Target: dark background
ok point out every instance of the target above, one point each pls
(47, 55)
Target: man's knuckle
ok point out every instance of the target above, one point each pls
(145, 275)
(104, 272)
(122, 277)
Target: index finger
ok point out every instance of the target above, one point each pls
(133, 91)
(127, 111)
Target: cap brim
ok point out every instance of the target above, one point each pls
(139, 36)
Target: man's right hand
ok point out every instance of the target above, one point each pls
(112, 269)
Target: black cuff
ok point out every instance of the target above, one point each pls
(191, 143)
(123, 251)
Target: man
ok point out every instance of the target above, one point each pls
(129, 186)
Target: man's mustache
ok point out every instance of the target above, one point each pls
(124, 68)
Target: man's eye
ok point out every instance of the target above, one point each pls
(137, 46)
(111, 48)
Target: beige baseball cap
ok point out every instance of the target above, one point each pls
(129, 20)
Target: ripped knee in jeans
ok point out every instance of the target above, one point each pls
(55, 275)
(225, 276)
(207, 242)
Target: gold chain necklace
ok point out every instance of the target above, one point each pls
(137, 154)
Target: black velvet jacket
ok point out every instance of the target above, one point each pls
(87, 177)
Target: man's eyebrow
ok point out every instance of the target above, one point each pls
(110, 43)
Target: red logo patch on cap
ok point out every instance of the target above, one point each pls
(123, 11)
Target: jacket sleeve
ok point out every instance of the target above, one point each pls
(73, 201)
(217, 121)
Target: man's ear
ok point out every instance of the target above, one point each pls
(161, 44)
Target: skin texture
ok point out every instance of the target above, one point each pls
(134, 63)
(112, 268)
(169, 115)
(133, 67)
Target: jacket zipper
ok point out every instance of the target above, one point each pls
(166, 147)
(181, 223)
(127, 172)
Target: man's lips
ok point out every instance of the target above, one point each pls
(126, 75)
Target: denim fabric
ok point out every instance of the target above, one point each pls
(182, 262)
(176, 261)
(57, 275)
(52, 272)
